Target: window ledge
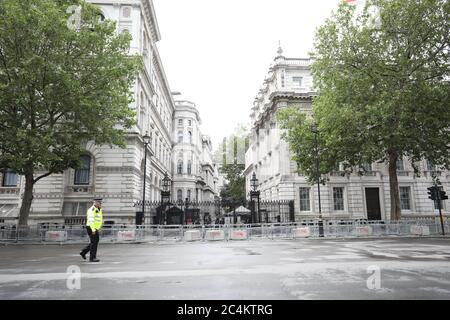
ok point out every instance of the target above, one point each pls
(10, 190)
(80, 189)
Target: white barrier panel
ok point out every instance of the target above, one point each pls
(238, 235)
(129, 235)
(364, 231)
(192, 235)
(215, 235)
(302, 232)
(420, 230)
(56, 236)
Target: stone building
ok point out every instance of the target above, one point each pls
(289, 83)
(195, 176)
(115, 174)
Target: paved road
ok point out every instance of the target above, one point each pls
(410, 268)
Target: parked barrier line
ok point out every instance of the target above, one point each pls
(225, 232)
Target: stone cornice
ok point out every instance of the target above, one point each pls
(183, 107)
(291, 95)
(165, 83)
(121, 169)
(286, 96)
(150, 15)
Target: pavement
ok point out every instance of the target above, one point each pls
(397, 268)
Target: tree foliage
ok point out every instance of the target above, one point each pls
(383, 88)
(59, 88)
(231, 156)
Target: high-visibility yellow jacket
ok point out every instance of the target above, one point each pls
(94, 218)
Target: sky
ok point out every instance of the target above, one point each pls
(217, 52)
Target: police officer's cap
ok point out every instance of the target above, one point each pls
(98, 199)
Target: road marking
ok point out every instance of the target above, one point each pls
(282, 269)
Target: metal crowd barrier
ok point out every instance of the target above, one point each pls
(226, 232)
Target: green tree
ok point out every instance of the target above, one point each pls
(60, 87)
(231, 156)
(234, 189)
(383, 84)
(307, 147)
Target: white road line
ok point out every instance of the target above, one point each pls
(280, 270)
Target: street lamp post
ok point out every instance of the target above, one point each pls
(146, 140)
(165, 193)
(315, 131)
(254, 194)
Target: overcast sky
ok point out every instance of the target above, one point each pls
(217, 52)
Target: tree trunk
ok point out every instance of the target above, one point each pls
(393, 186)
(27, 200)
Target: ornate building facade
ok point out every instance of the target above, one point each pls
(114, 174)
(196, 175)
(289, 83)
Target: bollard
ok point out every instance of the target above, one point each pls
(129, 235)
(192, 235)
(214, 235)
(420, 230)
(239, 234)
(363, 231)
(57, 236)
(302, 232)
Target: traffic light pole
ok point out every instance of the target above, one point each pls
(438, 195)
(438, 199)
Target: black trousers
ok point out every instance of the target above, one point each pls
(92, 246)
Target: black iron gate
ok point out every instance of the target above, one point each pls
(214, 212)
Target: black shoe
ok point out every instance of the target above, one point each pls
(83, 255)
(94, 260)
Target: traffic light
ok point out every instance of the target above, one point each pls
(442, 195)
(432, 193)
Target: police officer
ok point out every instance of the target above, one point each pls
(93, 226)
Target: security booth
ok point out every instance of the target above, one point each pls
(238, 215)
(139, 218)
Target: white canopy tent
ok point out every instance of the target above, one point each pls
(240, 211)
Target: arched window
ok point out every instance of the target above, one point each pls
(82, 174)
(190, 136)
(189, 167)
(400, 164)
(141, 118)
(9, 178)
(180, 195)
(180, 167)
(180, 136)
